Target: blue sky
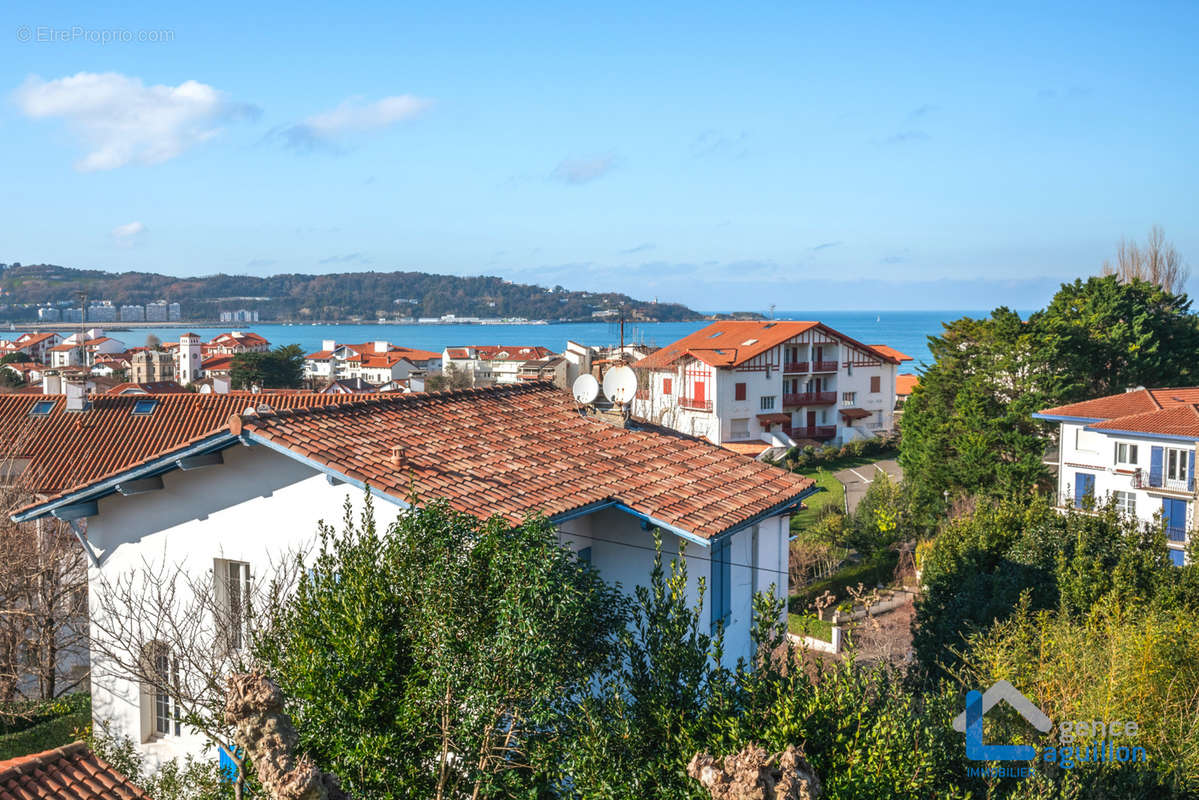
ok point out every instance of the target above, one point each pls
(814, 156)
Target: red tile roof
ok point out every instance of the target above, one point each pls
(891, 352)
(751, 449)
(729, 343)
(905, 384)
(68, 773)
(68, 448)
(148, 387)
(394, 353)
(1162, 411)
(500, 352)
(854, 413)
(520, 448)
(219, 362)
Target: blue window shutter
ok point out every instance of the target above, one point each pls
(726, 611)
(1155, 466)
(1191, 472)
(721, 572)
(1084, 487)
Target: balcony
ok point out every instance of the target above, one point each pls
(824, 366)
(694, 404)
(810, 399)
(1176, 534)
(795, 366)
(818, 432)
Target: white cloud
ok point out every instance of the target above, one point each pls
(128, 234)
(330, 128)
(583, 170)
(120, 120)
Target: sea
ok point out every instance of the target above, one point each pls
(906, 331)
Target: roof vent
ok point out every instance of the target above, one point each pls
(1134, 389)
(397, 456)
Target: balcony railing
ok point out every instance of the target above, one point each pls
(1176, 534)
(824, 366)
(809, 398)
(695, 405)
(817, 432)
(795, 366)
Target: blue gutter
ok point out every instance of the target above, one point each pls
(1083, 420)
(108, 486)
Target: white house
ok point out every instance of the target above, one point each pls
(1136, 448)
(770, 384)
(37, 345)
(377, 362)
(489, 365)
(237, 499)
(84, 349)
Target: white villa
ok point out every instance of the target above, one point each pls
(234, 499)
(764, 384)
(377, 362)
(489, 365)
(1136, 448)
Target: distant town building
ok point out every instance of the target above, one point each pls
(189, 368)
(174, 312)
(156, 311)
(241, 315)
(72, 315)
(151, 366)
(48, 314)
(102, 312)
(133, 313)
(36, 345)
(768, 385)
(492, 364)
(235, 342)
(377, 362)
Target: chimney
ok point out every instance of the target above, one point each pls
(328, 344)
(220, 384)
(51, 383)
(397, 456)
(381, 346)
(75, 393)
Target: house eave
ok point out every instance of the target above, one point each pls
(1168, 437)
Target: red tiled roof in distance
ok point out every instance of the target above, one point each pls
(891, 352)
(733, 342)
(514, 449)
(148, 387)
(72, 772)
(497, 352)
(905, 384)
(1113, 405)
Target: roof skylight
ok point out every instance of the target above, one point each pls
(41, 408)
(145, 406)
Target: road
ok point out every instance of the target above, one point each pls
(858, 479)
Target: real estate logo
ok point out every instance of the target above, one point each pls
(1106, 736)
(978, 704)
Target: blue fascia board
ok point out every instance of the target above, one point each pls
(328, 471)
(1083, 420)
(1168, 437)
(108, 486)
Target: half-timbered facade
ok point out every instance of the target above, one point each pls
(764, 384)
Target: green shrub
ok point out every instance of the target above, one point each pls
(870, 573)
(44, 726)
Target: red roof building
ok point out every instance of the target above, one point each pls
(72, 772)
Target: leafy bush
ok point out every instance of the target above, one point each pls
(877, 570)
(34, 727)
(172, 780)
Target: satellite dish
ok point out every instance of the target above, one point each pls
(586, 389)
(620, 384)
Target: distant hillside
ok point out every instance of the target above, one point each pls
(344, 296)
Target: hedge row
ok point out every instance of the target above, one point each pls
(870, 573)
(46, 726)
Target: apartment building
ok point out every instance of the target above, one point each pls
(1136, 449)
(489, 365)
(375, 362)
(151, 366)
(770, 384)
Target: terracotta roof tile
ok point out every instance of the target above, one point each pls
(1163, 411)
(68, 448)
(515, 449)
(68, 773)
(905, 383)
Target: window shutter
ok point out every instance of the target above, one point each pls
(1079, 489)
(1155, 466)
(667, 385)
(739, 391)
(1191, 471)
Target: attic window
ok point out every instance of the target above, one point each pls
(41, 408)
(769, 325)
(748, 342)
(144, 407)
(714, 335)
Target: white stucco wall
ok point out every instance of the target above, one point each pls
(259, 506)
(1094, 453)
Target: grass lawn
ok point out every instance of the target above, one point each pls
(833, 494)
(806, 625)
(848, 462)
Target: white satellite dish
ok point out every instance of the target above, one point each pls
(620, 384)
(586, 389)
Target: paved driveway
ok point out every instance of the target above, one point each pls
(858, 479)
